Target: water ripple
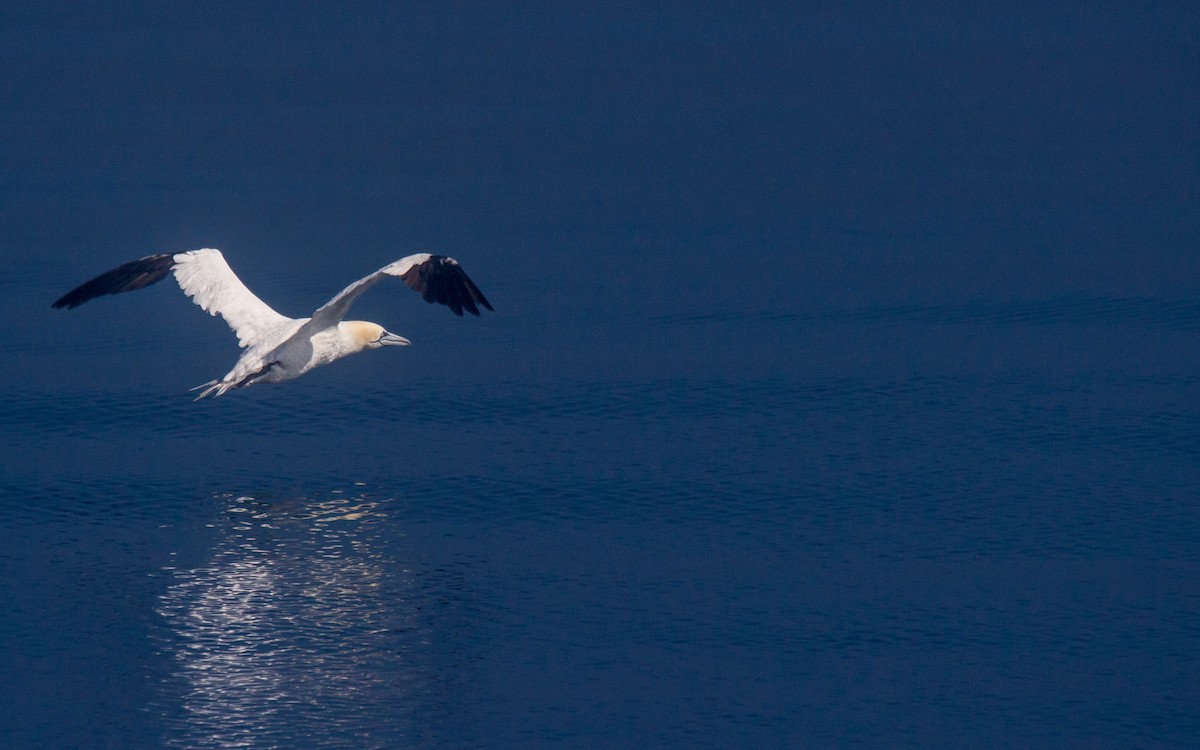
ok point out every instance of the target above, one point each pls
(1153, 313)
(836, 456)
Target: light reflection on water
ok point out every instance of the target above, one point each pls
(300, 625)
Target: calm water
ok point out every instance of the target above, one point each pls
(827, 401)
(680, 561)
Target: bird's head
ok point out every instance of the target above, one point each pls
(372, 335)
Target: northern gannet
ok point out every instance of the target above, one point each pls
(277, 347)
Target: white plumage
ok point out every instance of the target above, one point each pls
(277, 347)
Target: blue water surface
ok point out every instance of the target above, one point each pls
(841, 389)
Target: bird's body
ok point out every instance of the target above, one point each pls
(279, 348)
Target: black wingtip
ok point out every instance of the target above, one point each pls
(441, 280)
(136, 274)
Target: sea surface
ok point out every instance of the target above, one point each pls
(648, 560)
(842, 389)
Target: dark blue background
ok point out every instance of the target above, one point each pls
(841, 386)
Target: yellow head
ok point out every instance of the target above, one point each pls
(371, 335)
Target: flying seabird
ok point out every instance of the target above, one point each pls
(277, 347)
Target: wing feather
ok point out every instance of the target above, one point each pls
(136, 274)
(436, 277)
(203, 275)
(211, 283)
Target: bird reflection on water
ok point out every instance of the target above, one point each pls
(298, 624)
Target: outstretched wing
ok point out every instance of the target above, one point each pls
(211, 283)
(438, 279)
(203, 275)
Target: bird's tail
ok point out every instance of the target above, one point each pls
(212, 388)
(237, 378)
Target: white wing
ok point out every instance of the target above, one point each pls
(211, 283)
(203, 275)
(438, 278)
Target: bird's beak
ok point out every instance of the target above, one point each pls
(391, 339)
